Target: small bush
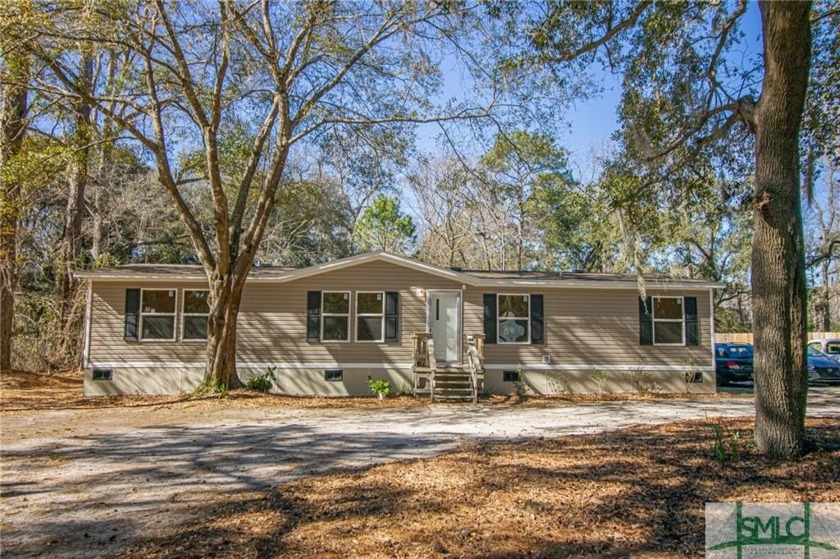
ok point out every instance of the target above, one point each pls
(644, 382)
(263, 382)
(601, 378)
(407, 389)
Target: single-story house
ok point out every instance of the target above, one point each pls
(327, 328)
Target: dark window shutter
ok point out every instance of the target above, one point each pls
(692, 325)
(313, 316)
(537, 331)
(646, 321)
(392, 316)
(490, 318)
(132, 315)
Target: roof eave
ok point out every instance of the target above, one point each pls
(598, 284)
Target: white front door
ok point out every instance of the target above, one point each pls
(445, 324)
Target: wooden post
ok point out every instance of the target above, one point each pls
(479, 346)
(420, 352)
(430, 345)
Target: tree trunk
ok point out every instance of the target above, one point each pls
(12, 120)
(71, 243)
(824, 316)
(778, 260)
(225, 298)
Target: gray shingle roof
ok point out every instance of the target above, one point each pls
(181, 272)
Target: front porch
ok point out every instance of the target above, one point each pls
(445, 380)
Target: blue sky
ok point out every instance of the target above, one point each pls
(590, 123)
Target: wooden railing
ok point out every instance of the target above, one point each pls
(475, 356)
(423, 361)
(420, 350)
(430, 358)
(425, 366)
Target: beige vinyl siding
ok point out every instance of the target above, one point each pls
(272, 320)
(582, 326)
(591, 327)
(107, 328)
(273, 316)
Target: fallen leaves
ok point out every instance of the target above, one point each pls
(637, 492)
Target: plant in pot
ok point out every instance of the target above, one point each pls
(380, 387)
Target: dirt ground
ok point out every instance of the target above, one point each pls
(638, 492)
(257, 476)
(24, 392)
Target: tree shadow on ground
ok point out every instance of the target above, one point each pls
(638, 492)
(263, 492)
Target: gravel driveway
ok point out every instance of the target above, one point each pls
(87, 483)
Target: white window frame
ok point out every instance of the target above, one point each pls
(654, 320)
(381, 315)
(499, 319)
(174, 316)
(348, 314)
(185, 314)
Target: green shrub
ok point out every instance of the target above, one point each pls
(262, 383)
(379, 386)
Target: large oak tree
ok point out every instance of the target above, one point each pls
(684, 91)
(194, 75)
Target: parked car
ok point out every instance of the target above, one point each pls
(733, 363)
(822, 367)
(829, 346)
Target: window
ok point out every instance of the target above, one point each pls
(103, 374)
(370, 316)
(157, 314)
(335, 316)
(195, 310)
(832, 348)
(510, 376)
(334, 375)
(694, 377)
(514, 319)
(744, 351)
(668, 321)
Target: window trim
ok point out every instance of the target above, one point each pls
(333, 375)
(527, 319)
(348, 314)
(102, 375)
(174, 316)
(185, 314)
(381, 315)
(654, 320)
